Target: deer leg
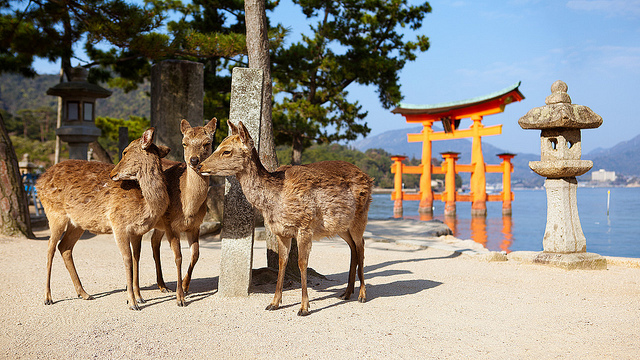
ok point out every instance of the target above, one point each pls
(69, 240)
(352, 265)
(156, 239)
(174, 241)
(194, 244)
(359, 242)
(57, 228)
(136, 245)
(284, 244)
(304, 248)
(125, 250)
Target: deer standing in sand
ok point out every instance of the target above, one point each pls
(80, 195)
(304, 202)
(187, 203)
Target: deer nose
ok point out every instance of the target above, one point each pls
(194, 161)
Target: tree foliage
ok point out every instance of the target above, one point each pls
(50, 28)
(110, 131)
(353, 41)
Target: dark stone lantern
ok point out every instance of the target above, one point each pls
(78, 126)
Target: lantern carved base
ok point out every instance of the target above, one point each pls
(573, 261)
(564, 243)
(563, 233)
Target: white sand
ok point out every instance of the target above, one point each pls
(422, 303)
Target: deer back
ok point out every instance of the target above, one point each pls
(97, 196)
(325, 196)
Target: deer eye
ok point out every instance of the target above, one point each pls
(184, 144)
(226, 152)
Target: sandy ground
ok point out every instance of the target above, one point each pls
(424, 302)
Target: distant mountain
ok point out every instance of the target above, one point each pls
(623, 158)
(18, 92)
(395, 142)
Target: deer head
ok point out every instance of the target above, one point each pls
(232, 155)
(137, 155)
(197, 142)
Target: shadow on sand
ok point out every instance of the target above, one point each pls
(327, 285)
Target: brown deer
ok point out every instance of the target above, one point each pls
(304, 202)
(80, 195)
(187, 203)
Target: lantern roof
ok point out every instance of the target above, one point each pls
(559, 112)
(78, 86)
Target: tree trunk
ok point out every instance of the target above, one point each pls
(296, 150)
(258, 49)
(14, 214)
(259, 58)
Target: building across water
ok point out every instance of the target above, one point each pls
(603, 175)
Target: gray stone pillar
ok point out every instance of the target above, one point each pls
(177, 92)
(236, 259)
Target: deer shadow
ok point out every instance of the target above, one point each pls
(199, 289)
(374, 291)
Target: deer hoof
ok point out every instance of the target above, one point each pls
(85, 296)
(345, 296)
(182, 303)
(134, 307)
(303, 312)
(141, 301)
(362, 299)
(48, 302)
(271, 307)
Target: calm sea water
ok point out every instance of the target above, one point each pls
(617, 234)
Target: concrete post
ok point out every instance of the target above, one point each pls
(236, 259)
(177, 92)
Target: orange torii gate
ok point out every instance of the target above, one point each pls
(450, 114)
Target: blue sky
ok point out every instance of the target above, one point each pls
(479, 47)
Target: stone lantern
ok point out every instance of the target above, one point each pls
(560, 150)
(78, 126)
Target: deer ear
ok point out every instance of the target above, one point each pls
(184, 126)
(233, 128)
(163, 150)
(212, 125)
(244, 135)
(147, 138)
